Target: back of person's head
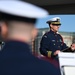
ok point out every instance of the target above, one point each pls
(18, 19)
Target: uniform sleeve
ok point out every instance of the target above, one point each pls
(44, 46)
(64, 46)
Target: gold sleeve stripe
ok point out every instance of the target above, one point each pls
(49, 53)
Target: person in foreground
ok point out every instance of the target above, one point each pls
(52, 42)
(18, 29)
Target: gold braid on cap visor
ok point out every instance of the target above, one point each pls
(58, 23)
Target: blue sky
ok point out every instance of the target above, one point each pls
(67, 21)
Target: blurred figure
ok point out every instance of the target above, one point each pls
(0, 31)
(18, 19)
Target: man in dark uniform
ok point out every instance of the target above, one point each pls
(52, 42)
(18, 19)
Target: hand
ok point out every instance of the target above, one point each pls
(73, 47)
(56, 52)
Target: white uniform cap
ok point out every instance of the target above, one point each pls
(23, 9)
(55, 19)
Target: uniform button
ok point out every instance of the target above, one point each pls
(54, 43)
(55, 35)
(59, 46)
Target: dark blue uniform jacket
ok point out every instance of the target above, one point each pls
(51, 42)
(16, 59)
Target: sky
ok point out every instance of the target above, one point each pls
(67, 22)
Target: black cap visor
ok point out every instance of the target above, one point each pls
(9, 17)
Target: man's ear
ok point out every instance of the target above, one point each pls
(4, 30)
(51, 25)
(34, 33)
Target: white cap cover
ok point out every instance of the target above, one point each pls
(54, 21)
(23, 9)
